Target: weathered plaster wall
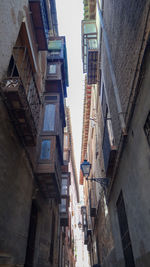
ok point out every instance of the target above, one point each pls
(11, 16)
(15, 194)
(16, 177)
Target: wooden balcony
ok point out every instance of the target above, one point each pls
(23, 109)
(48, 168)
(57, 66)
(54, 82)
(56, 49)
(40, 22)
(53, 118)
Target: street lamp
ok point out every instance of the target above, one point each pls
(86, 167)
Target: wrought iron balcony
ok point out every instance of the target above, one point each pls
(23, 109)
(92, 61)
(48, 168)
(40, 21)
(21, 96)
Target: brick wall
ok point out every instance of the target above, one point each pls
(125, 24)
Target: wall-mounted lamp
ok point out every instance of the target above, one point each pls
(86, 167)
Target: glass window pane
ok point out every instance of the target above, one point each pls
(49, 117)
(52, 69)
(92, 44)
(64, 187)
(89, 28)
(65, 141)
(45, 149)
(66, 155)
(55, 45)
(63, 205)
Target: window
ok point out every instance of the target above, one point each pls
(64, 187)
(124, 231)
(52, 69)
(66, 139)
(63, 205)
(147, 128)
(45, 149)
(49, 117)
(66, 155)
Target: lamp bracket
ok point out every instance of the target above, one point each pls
(103, 181)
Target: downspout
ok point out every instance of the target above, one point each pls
(113, 77)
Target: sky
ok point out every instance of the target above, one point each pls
(69, 15)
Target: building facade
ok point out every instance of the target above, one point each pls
(115, 140)
(33, 88)
(70, 201)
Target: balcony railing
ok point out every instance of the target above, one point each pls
(22, 97)
(92, 61)
(40, 21)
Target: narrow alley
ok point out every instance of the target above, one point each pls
(75, 133)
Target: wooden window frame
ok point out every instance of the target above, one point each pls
(57, 114)
(52, 149)
(57, 74)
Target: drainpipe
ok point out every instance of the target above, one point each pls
(113, 77)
